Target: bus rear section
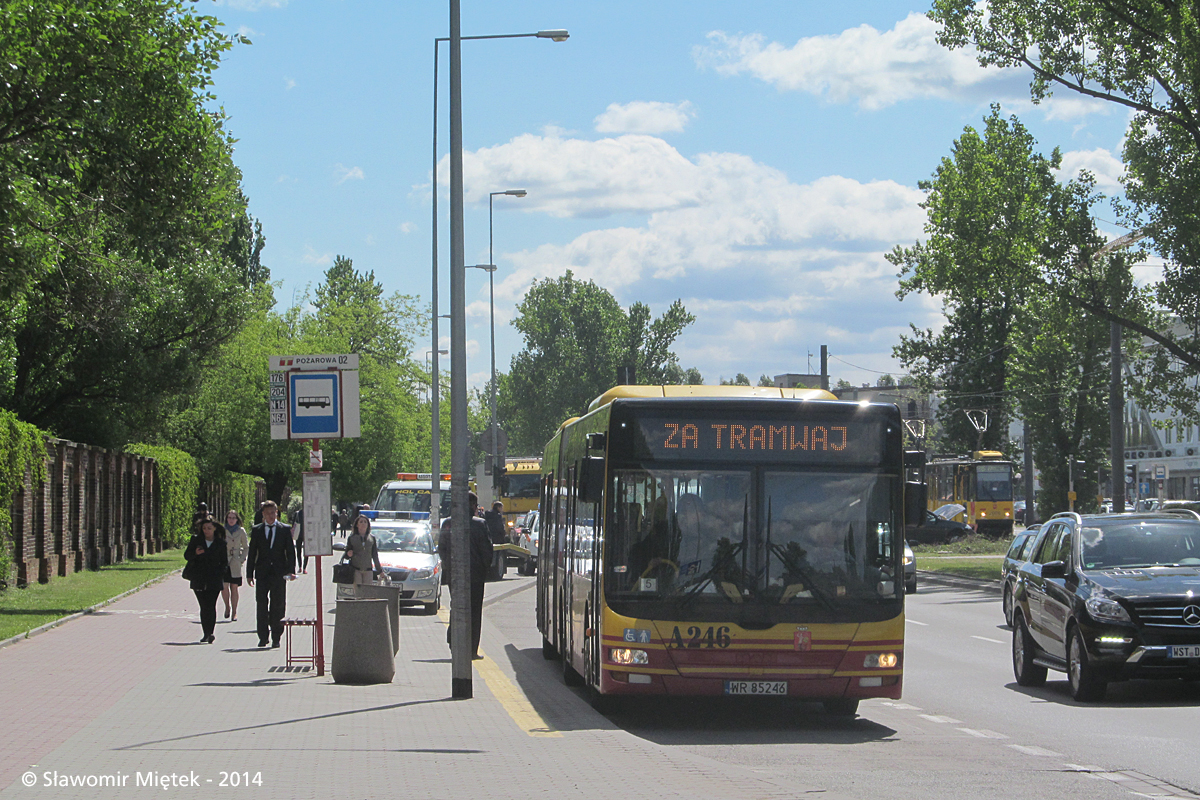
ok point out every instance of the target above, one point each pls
(729, 547)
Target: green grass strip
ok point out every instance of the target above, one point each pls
(966, 566)
(22, 610)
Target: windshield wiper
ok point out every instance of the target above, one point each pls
(792, 566)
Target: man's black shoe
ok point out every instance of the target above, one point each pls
(275, 643)
(262, 642)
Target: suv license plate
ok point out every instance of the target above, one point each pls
(1185, 651)
(756, 687)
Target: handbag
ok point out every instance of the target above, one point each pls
(343, 573)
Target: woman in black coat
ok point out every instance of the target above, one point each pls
(207, 561)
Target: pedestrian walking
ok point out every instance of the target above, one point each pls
(271, 559)
(343, 523)
(301, 556)
(362, 550)
(205, 571)
(236, 545)
(481, 561)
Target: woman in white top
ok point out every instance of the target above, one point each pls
(236, 545)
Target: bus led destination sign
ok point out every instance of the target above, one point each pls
(840, 440)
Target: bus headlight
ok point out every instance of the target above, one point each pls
(623, 655)
(880, 661)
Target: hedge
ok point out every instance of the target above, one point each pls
(22, 448)
(180, 482)
(242, 494)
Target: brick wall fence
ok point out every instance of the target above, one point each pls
(97, 507)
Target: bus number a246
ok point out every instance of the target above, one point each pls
(713, 637)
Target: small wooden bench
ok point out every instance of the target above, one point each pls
(293, 658)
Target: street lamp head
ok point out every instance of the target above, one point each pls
(556, 35)
(516, 192)
(484, 267)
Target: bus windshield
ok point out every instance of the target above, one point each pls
(993, 482)
(763, 537)
(524, 486)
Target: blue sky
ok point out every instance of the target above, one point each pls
(754, 160)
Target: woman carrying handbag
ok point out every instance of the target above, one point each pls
(205, 570)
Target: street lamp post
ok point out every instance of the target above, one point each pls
(492, 303)
(435, 444)
(460, 590)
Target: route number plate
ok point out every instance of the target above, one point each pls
(1185, 651)
(756, 687)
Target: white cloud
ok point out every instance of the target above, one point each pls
(311, 256)
(345, 173)
(791, 264)
(289, 84)
(1106, 167)
(408, 227)
(642, 116)
(878, 69)
(247, 31)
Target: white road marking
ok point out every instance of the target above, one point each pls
(1032, 750)
(914, 622)
(941, 720)
(983, 733)
(901, 706)
(986, 639)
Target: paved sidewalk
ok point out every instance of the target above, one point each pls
(128, 693)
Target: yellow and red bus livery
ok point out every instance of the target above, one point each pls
(726, 541)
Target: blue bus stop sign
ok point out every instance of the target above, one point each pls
(315, 404)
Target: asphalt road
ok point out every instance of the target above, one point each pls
(963, 729)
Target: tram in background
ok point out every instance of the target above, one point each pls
(701, 540)
(981, 483)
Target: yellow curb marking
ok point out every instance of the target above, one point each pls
(511, 698)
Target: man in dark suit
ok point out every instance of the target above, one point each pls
(481, 561)
(271, 559)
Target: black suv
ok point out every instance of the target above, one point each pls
(1108, 597)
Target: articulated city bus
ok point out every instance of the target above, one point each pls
(982, 484)
(726, 540)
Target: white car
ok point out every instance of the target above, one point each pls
(409, 557)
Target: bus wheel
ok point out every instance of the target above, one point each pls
(548, 651)
(605, 703)
(841, 706)
(570, 676)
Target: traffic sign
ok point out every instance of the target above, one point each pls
(314, 397)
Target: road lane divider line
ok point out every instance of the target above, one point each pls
(914, 622)
(941, 720)
(986, 639)
(983, 733)
(513, 700)
(1033, 750)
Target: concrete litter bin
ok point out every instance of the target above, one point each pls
(385, 591)
(362, 643)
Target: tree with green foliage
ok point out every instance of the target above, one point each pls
(576, 337)
(225, 421)
(988, 220)
(738, 380)
(766, 380)
(126, 243)
(886, 381)
(1144, 56)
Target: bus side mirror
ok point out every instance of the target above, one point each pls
(590, 487)
(914, 503)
